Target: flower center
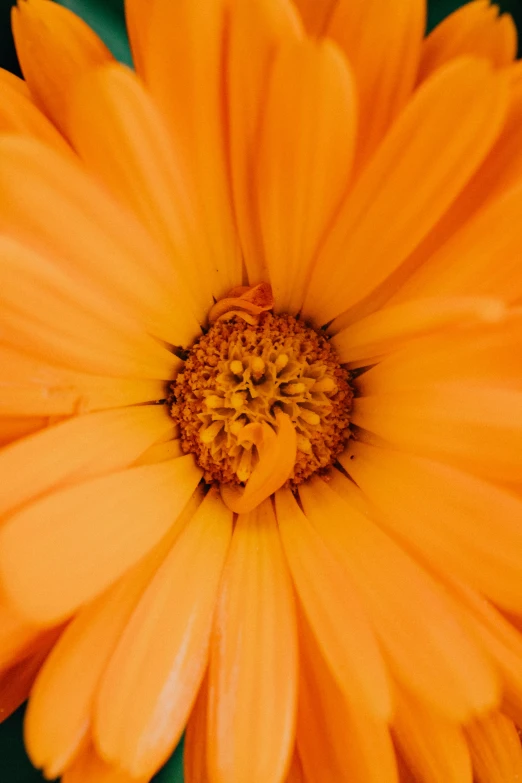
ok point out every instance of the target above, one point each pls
(243, 380)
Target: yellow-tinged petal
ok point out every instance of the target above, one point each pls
(462, 525)
(18, 637)
(475, 29)
(468, 263)
(303, 161)
(184, 60)
(435, 748)
(342, 631)
(157, 668)
(30, 387)
(477, 429)
(49, 313)
(277, 452)
(388, 328)
(445, 132)
(63, 550)
(78, 449)
(195, 746)
(495, 748)
(426, 646)
(119, 133)
(14, 82)
(254, 35)
(55, 48)
(253, 664)
(57, 201)
(337, 741)
(485, 356)
(382, 41)
(59, 715)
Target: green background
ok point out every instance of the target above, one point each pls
(106, 17)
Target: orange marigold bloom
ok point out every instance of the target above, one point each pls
(261, 393)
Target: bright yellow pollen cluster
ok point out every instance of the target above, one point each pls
(240, 374)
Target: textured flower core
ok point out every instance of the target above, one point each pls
(239, 375)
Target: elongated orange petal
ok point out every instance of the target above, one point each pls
(304, 160)
(485, 356)
(195, 747)
(315, 15)
(255, 32)
(18, 114)
(468, 262)
(55, 47)
(434, 748)
(382, 42)
(137, 16)
(184, 71)
(355, 257)
(475, 29)
(495, 749)
(337, 741)
(157, 668)
(55, 202)
(119, 133)
(253, 664)
(461, 524)
(30, 387)
(62, 703)
(66, 548)
(88, 767)
(44, 310)
(390, 327)
(343, 632)
(276, 461)
(18, 636)
(426, 646)
(16, 682)
(15, 427)
(476, 429)
(78, 449)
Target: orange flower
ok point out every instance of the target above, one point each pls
(192, 536)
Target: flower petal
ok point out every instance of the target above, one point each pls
(55, 47)
(120, 135)
(253, 664)
(468, 263)
(18, 114)
(495, 749)
(78, 449)
(303, 160)
(88, 767)
(255, 33)
(184, 71)
(62, 703)
(388, 328)
(474, 29)
(434, 748)
(382, 42)
(195, 747)
(55, 202)
(16, 682)
(462, 525)
(30, 387)
(51, 314)
(371, 236)
(63, 550)
(337, 741)
(156, 670)
(426, 646)
(343, 632)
